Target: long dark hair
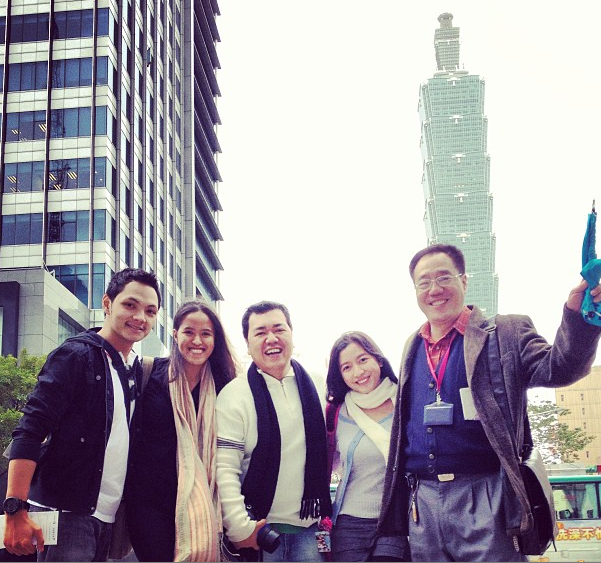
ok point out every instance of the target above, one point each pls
(337, 388)
(222, 361)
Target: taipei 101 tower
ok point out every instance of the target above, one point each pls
(456, 166)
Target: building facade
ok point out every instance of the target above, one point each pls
(582, 400)
(108, 159)
(456, 166)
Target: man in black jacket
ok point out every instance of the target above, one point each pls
(69, 450)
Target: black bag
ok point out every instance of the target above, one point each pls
(540, 496)
(534, 475)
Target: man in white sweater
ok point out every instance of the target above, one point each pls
(271, 446)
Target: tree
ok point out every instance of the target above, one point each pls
(18, 377)
(556, 441)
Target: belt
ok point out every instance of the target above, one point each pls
(442, 477)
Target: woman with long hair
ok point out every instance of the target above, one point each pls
(172, 504)
(362, 391)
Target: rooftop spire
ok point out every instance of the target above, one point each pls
(446, 43)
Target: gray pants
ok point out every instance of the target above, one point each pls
(461, 520)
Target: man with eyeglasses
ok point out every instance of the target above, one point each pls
(450, 445)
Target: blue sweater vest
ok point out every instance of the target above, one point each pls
(461, 447)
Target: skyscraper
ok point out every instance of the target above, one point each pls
(456, 166)
(107, 159)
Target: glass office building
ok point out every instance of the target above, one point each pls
(456, 166)
(108, 159)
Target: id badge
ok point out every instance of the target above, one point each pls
(323, 541)
(438, 414)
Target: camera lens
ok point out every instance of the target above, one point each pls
(268, 539)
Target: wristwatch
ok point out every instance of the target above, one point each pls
(12, 505)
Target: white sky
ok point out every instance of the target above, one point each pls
(322, 197)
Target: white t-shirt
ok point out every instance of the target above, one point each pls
(115, 455)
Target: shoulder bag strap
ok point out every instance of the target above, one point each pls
(332, 411)
(147, 365)
(496, 377)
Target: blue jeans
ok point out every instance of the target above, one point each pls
(297, 547)
(80, 538)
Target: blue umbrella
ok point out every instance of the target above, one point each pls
(591, 270)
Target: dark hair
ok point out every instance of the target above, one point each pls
(261, 308)
(222, 360)
(451, 251)
(121, 278)
(336, 386)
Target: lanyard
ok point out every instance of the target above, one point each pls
(443, 365)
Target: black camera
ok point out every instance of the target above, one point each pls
(268, 539)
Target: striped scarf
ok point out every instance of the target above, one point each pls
(197, 509)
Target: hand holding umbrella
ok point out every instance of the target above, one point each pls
(591, 271)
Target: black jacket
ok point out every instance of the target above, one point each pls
(66, 424)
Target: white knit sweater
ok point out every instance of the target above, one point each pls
(237, 438)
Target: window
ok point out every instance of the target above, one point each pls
(69, 73)
(139, 219)
(106, 124)
(69, 174)
(24, 176)
(99, 224)
(2, 29)
(124, 248)
(125, 199)
(161, 209)
(67, 327)
(25, 126)
(104, 173)
(103, 226)
(22, 229)
(28, 28)
(79, 23)
(100, 276)
(68, 226)
(125, 150)
(27, 76)
(150, 237)
(150, 193)
(139, 173)
(74, 278)
(139, 127)
(106, 23)
(575, 501)
(125, 102)
(70, 122)
(102, 70)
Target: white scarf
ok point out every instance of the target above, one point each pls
(355, 402)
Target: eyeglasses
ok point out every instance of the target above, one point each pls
(442, 281)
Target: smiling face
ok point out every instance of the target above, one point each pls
(441, 305)
(130, 316)
(360, 370)
(270, 342)
(195, 338)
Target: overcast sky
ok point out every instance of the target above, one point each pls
(322, 197)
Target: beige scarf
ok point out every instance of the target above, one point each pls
(197, 509)
(356, 402)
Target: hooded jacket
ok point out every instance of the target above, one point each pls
(66, 424)
(527, 360)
